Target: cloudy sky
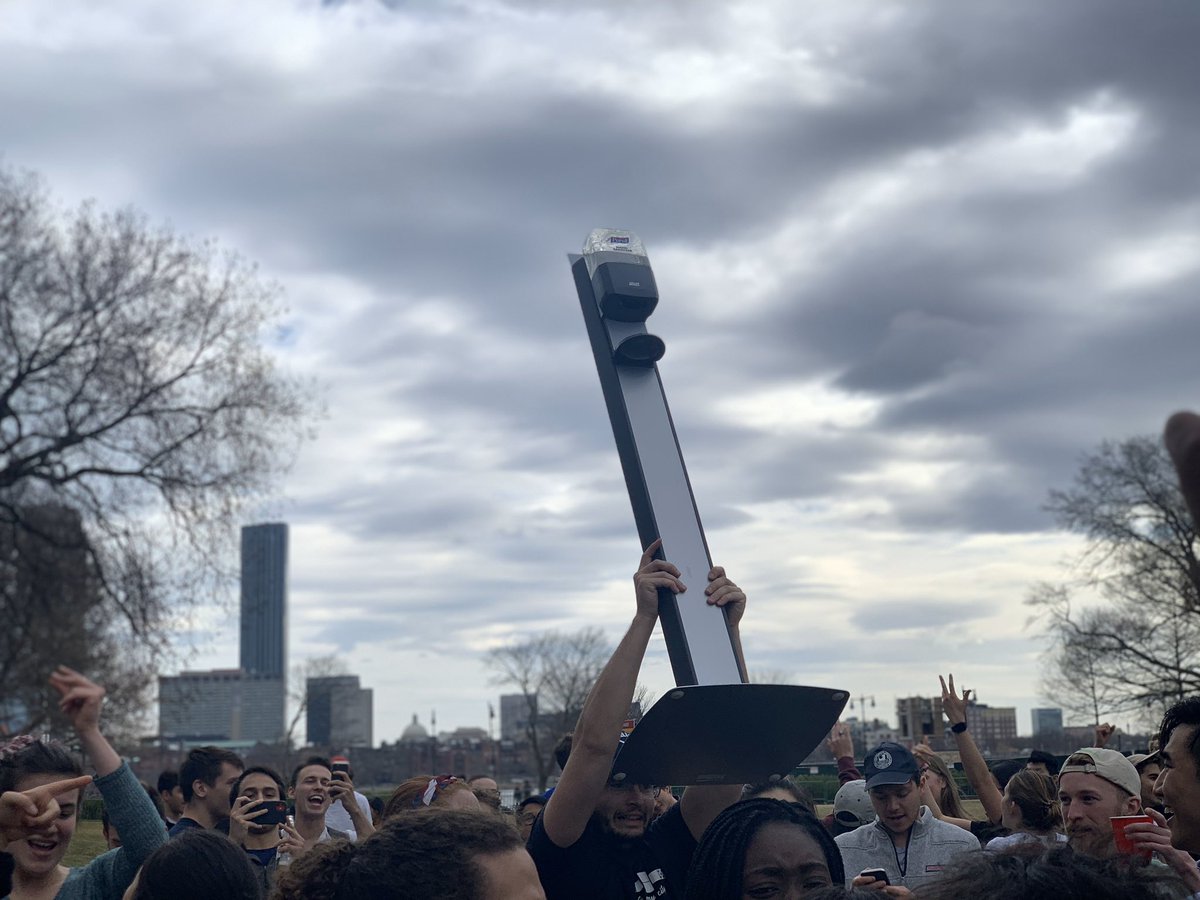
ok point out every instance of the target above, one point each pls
(915, 258)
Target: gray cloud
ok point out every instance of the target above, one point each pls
(893, 204)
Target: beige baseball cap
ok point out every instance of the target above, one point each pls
(1109, 765)
(1140, 759)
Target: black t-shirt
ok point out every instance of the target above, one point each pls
(600, 866)
(183, 826)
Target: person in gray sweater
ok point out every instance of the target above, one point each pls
(36, 846)
(905, 840)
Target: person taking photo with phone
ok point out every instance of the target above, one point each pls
(258, 822)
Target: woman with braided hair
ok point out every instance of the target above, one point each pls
(764, 848)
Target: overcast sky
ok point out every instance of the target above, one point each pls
(915, 258)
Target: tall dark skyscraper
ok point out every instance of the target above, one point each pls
(264, 599)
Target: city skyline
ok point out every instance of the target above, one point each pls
(915, 260)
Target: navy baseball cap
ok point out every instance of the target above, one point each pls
(889, 763)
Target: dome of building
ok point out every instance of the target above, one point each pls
(415, 732)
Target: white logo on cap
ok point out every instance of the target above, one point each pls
(883, 759)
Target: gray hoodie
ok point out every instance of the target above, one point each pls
(932, 844)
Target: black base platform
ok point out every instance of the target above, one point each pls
(727, 734)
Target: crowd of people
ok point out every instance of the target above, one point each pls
(1096, 824)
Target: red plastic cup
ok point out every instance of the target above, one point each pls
(1124, 844)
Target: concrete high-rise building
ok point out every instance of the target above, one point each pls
(264, 599)
(993, 727)
(920, 717)
(514, 717)
(220, 705)
(339, 712)
(247, 703)
(1047, 722)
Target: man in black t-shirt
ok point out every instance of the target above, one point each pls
(594, 840)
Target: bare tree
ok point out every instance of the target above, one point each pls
(553, 671)
(134, 390)
(1139, 646)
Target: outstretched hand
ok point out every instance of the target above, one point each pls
(953, 705)
(81, 699)
(653, 574)
(23, 813)
(1104, 733)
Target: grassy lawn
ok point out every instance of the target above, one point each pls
(87, 844)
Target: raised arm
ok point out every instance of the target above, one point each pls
(131, 811)
(699, 805)
(973, 763)
(341, 789)
(599, 727)
(81, 701)
(841, 744)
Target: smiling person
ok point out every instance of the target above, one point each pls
(309, 791)
(38, 843)
(1176, 838)
(596, 840)
(764, 847)
(905, 840)
(1094, 785)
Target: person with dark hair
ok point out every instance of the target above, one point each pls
(1174, 840)
(1179, 781)
(1031, 812)
(597, 839)
(263, 843)
(1060, 874)
(170, 795)
(35, 847)
(448, 854)
(665, 800)
(310, 792)
(764, 847)
(1041, 761)
(1148, 768)
(1004, 770)
(199, 865)
(905, 840)
(430, 791)
(527, 813)
(205, 780)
